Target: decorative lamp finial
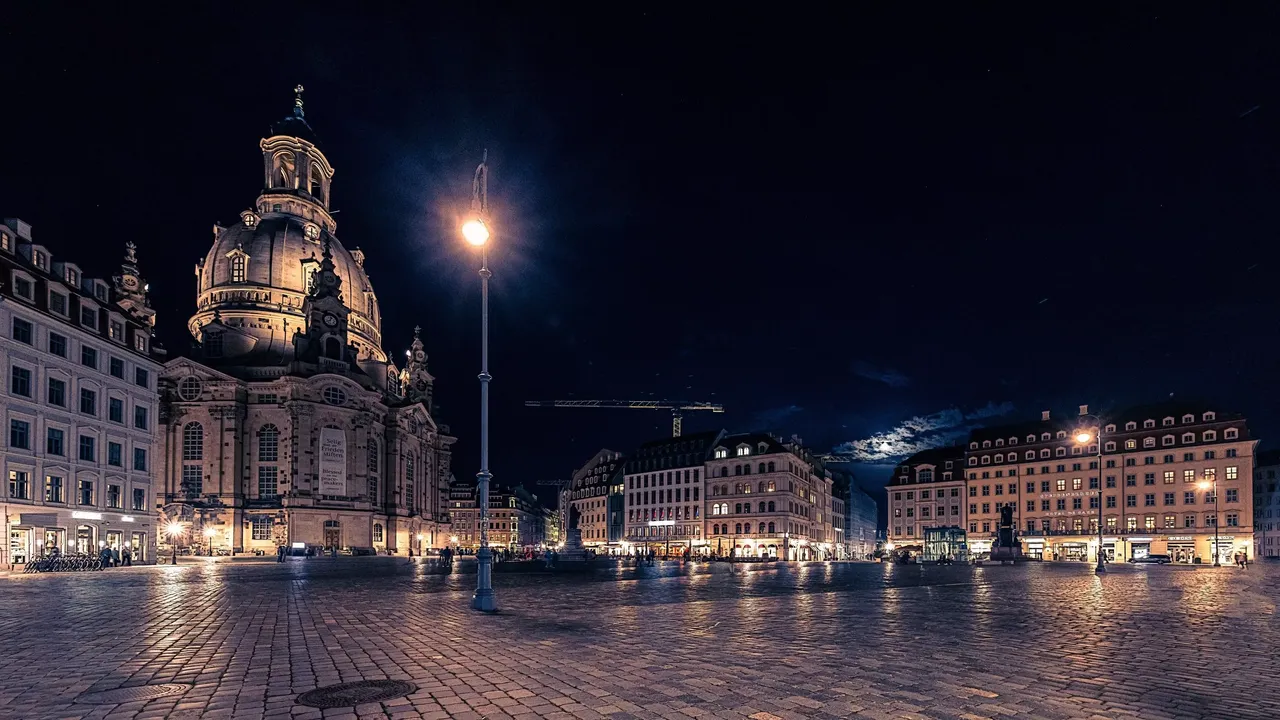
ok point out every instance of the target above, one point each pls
(297, 101)
(417, 330)
(130, 255)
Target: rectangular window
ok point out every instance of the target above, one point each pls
(140, 420)
(20, 434)
(1062, 504)
(54, 442)
(89, 317)
(1168, 476)
(115, 330)
(86, 492)
(1131, 501)
(1130, 480)
(1075, 483)
(19, 485)
(1061, 484)
(115, 410)
(116, 367)
(1093, 503)
(57, 393)
(267, 481)
(141, 377)
(1169, 498)
(139, 499)
(20, 381)
(1189, 497)
(1233, 472)
(1044, 506)
(22, 287)
(57, 344)
(140, 459)
(1111, 501)
(192, 479)
(88, 357)
(261, 527)
(1031, 506)
(58, 303)
(1149, 500)
(88, 401)
(1233, 495)
(22, 331)
(53, 489)
(1076, 504)
(1233, 520)
(88, 448)
(113, 497)
(1149, 479)
(115, 454)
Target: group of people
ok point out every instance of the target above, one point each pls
(115, 557)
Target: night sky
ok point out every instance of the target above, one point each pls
(831, 224)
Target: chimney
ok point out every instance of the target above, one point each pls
(1044, 415)
(1084, 409)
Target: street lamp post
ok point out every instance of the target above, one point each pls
(174, 530)
(1083, 437)
(1205, 485)
(208, 534)
(476, 232)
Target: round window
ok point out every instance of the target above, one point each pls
(189, 388)
(334, 396)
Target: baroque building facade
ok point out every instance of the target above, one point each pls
(289, 423)
(80, 404)
(1170, 479)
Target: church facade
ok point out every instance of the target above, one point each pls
(289, 424)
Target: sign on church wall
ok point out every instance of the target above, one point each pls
(333, 461)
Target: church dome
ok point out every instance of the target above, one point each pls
(259, 270)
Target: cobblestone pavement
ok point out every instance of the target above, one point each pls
(841, 640)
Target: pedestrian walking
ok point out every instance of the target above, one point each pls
(127, 556)
(280, 553)
(115, 557)
(105, 556)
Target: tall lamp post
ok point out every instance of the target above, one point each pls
(174, 531)
(476, 232)
(1083, 436)
(208, 535)
(1205, 485)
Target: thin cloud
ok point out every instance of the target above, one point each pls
(888, 376)
(922, 432)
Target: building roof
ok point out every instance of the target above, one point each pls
(755, 440)
(683, 451)
(935, 456)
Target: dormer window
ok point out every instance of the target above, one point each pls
(1045, 436)
(1188, 437)
(249, 218)
(213, 344)
(100, 291)
(72, 277)
(1131, 425)
(23, 287)
(999, 442)
(1062, 434)
(1209, 416)
(743, 450)
(1031, 438)
(721, 453)
(1168, 440)
(1188, 418)
(1210, 436)
(40, 259)
(1110, 446)
(140, 342)
(1167, 421)
(1148, 442)
(6, 242)
(1013, 441)
(973, 446)
(986, 443)
(239, 267)
(1230, 434)
(1148, 423)
(1109, 428)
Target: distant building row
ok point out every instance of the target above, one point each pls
(1175, 479)
(715, 493)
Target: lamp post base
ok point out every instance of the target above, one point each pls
(1101, 568)
(484, 599)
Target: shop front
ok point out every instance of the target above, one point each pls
(1071, 551)
(1181, 549)
(1034, 548)
(1140, 548)
(980, 549)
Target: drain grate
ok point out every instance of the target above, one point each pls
(356, 693)
(132, 694)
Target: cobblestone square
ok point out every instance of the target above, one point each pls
(763, 642)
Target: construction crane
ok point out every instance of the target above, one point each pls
(677, 407)
(836, 459)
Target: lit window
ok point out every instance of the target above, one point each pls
(238, 263)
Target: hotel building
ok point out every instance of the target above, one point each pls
(80, 403)
(664, 493)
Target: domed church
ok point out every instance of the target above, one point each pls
(289, 424)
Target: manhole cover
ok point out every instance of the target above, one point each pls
(132, 694)
(356, 693)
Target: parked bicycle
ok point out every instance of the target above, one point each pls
(64, 563)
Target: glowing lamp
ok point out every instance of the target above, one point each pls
(1205, 484)
(475, 232)
(210, 532)
(173, 529)
(453, 539)
(1083, 437)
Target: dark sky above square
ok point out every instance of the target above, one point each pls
(828, 221)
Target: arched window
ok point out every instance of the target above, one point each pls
(771, 507)
(332, 348)
(284, 176)
(268, 443)
(372, 303)
(761, 506)
(762, 526)
(737, 469)
(737, 489)
(746, 469)
(771, 466)
(377, 532)
(408, 482)
(771, 530)
(737, 508)
(239, 266)
(315, 183)
(193, 441)
(737, 528)
(373, 456)
(724, 471)
(761, 468)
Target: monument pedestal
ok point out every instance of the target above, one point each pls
(573, 550)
